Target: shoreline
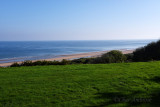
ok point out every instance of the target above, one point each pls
(72, 56)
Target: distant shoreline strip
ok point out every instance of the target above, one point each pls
(70, 56)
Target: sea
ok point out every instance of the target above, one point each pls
(12, 51)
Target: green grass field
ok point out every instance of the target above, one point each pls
(98, 85)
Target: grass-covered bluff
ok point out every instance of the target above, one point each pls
(135, 84)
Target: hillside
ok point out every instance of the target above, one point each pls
(121, 84)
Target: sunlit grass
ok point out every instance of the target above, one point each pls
(121, 84)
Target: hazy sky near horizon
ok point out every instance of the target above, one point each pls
(79, 19)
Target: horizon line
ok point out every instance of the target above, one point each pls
(77, 40)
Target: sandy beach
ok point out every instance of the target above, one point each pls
(73, 56)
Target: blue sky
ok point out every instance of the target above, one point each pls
(79, 19)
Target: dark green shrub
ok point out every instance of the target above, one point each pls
(15, 64)
(82, 61)
(27, 63)
(98, 60)
(113, 56)
(64, 62)
(77, 61)
(56, 62)
(148, 52)
(138, 54)
(37, 63)
(129, 57)
(88, 60)
(43, 62)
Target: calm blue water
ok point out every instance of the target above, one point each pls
(30, 50)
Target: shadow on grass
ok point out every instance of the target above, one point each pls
(156, 93)
(121, 98)
(129, 98)
(156, 79)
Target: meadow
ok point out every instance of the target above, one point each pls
(112, 85)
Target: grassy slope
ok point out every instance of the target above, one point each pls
(80, 85)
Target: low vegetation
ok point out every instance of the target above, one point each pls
(113, 56)
(93, 85)
(43, 62)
